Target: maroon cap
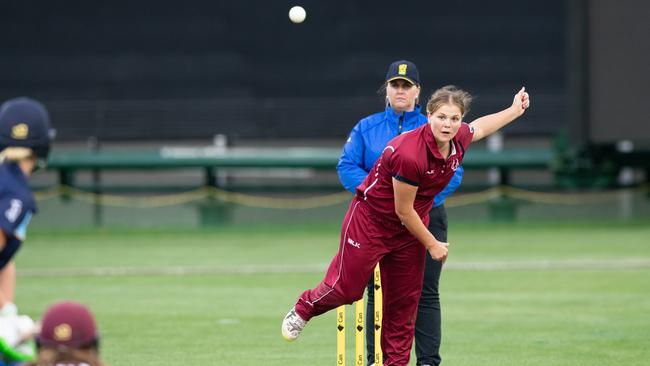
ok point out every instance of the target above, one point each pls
(68, 324)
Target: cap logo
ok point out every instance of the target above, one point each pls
(20, 131)
(62, 332)
(402, 69)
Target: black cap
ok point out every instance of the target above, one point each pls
(405, 70)
(25, 122)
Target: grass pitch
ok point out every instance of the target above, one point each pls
(545, 294)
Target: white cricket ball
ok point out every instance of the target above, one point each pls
(297, 14)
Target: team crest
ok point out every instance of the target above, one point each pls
(455, 164)
(402, 69)
(20, 131)
(62, 332)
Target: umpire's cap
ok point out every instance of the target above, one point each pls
(68, 324)
(405, 70)
(25, 122)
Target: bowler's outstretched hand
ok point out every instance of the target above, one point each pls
(521, 101)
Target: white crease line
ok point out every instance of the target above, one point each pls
(316, 268)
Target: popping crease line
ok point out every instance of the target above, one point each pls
(577, 264)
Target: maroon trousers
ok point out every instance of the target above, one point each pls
(366, 240)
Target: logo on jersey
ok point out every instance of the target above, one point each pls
(471, 129)
(455, 164)
(429, 172)
(14, 210)
(20, 131)
(354, 243)
(402, 69)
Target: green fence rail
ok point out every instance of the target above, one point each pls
(211, 159)
(219, 198)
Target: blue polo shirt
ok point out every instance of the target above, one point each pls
(17, 205)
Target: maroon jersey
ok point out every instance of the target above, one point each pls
(413, 158)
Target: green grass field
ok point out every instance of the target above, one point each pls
(544, 294)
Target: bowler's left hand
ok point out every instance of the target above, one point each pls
(521, 101)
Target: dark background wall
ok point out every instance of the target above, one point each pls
(619, 57)
(131, 70)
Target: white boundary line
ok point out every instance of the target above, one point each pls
(574, 264)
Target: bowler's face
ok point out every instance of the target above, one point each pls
(445, 122)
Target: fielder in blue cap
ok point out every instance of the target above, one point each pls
(25, 137)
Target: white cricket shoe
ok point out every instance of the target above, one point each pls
(292, 325)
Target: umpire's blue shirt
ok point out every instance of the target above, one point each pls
(17, 206)
(368, 139)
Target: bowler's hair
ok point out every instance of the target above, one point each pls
(449, 94)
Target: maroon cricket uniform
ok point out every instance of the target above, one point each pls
(372, 232)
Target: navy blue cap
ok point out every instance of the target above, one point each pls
(405, 70)
(25, 122)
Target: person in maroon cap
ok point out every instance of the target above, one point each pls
(68, 337)
(387, 220)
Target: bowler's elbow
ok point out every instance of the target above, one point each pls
(402, 212)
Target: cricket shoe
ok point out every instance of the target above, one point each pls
(292, 325)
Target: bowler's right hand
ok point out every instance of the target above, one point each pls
(439, 251)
